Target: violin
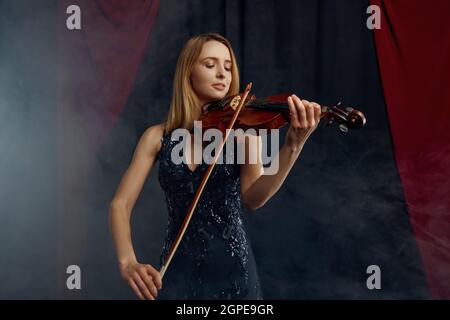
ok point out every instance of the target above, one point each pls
(242, 112)
(271, 113)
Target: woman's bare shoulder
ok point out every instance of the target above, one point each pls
(152, 136)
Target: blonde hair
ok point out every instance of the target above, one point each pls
(184, 99)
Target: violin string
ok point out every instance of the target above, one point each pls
(262, 104)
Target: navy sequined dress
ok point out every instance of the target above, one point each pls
(214, 259)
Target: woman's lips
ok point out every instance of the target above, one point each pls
(219, 86)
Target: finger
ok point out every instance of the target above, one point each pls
(309, 112)
(301, 111)
(148, 281)
(293, 112)
(310, 115)
(155, 275)
(142, 286)
(136, 289)
(317, 111)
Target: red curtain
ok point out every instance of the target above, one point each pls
(98, 64)
(414, 60)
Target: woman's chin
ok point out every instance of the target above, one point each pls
(215, 97)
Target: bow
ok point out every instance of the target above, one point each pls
(199, 191)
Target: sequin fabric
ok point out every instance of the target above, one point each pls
(214, 259)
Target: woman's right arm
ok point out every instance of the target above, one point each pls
(142, 278)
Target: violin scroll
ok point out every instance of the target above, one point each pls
(347, 118)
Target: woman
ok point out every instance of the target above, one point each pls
(214, 259)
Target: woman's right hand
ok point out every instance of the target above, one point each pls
(143, 279)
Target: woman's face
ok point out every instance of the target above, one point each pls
(211, 74)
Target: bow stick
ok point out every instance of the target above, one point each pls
(199, 191)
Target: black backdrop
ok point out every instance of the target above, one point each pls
(341, 208)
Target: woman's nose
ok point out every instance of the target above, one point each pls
(220, 74)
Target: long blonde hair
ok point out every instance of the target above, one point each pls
(184, 99)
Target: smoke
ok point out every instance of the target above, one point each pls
(340, 209)
(27, 162)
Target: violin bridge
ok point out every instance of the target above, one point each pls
(235, 102)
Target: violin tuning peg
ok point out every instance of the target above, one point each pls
(329, 122)
(338, 104)
(349, 109)
(343, 128)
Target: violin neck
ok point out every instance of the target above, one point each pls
(267, 105)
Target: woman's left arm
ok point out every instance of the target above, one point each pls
(256, 188)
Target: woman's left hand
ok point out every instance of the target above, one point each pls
(305, 117)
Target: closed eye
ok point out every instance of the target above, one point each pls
(212, 66)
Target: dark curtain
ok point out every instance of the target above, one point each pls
(74, 104)
(413, 48)
(342, 207)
